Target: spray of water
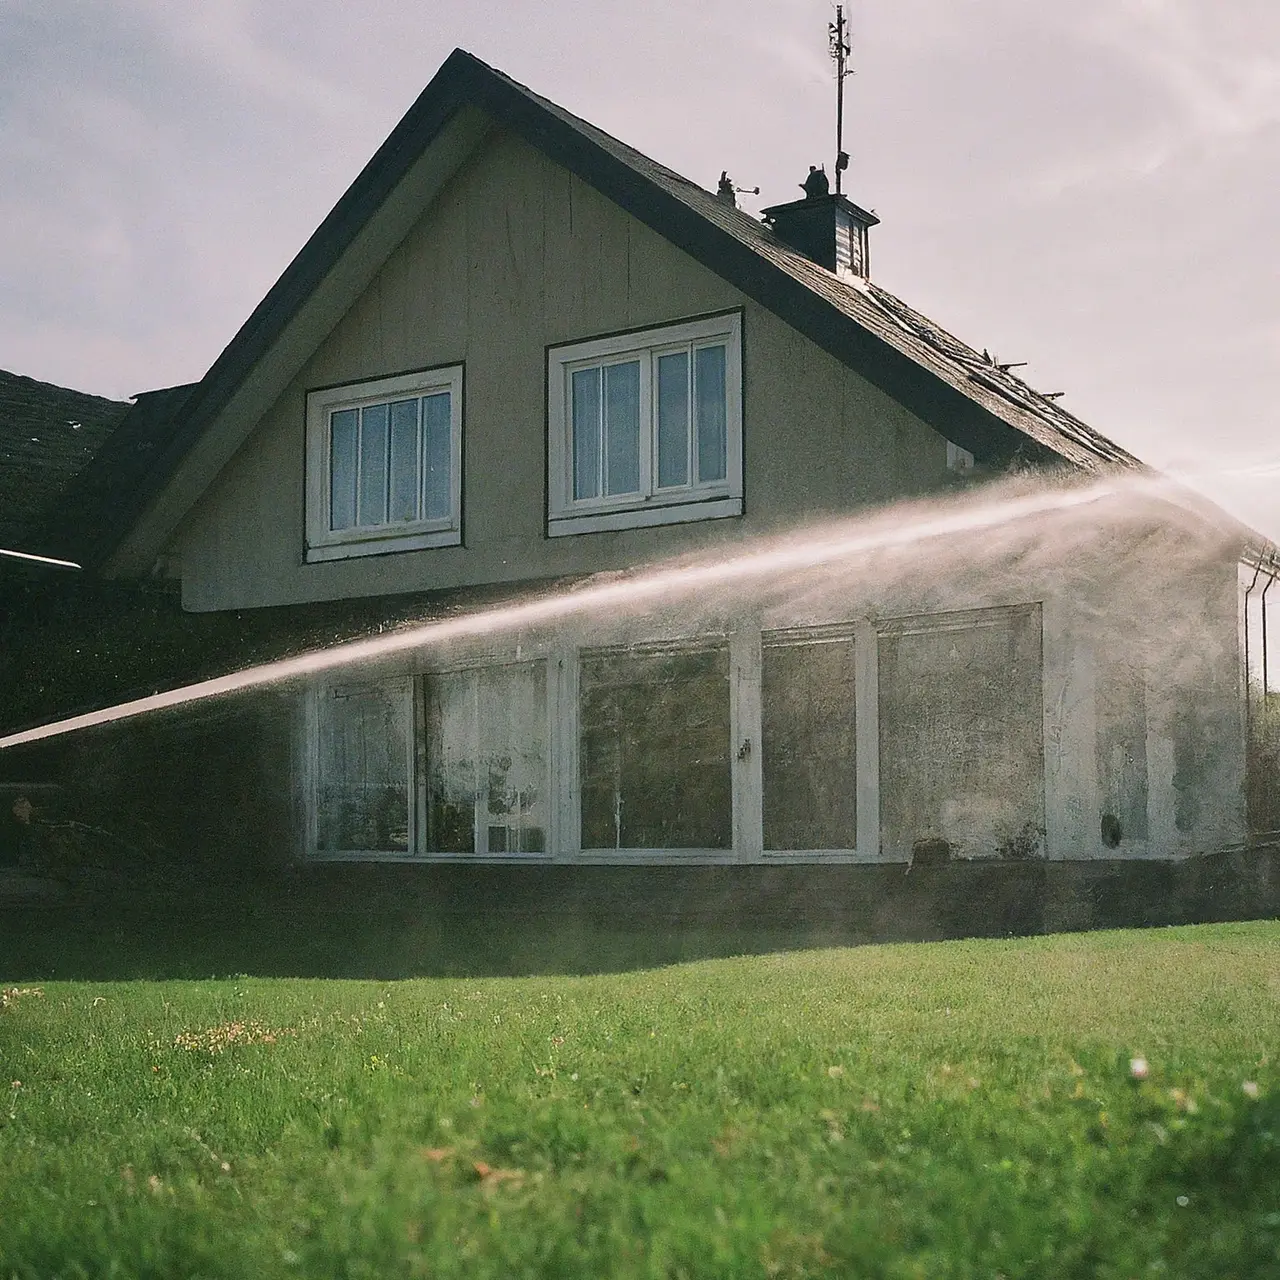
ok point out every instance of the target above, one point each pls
(31, 558)
(847, 542)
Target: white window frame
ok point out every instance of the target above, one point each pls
(324, 543)
(706, 500)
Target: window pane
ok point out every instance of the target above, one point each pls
(451, 762)
(655, 751)
(622, 427)
(373, 465)
(961, 738)
(809, 756)
(486, 759)
(342, 469)
(437, 456)
(512, 707)
(404, 460)
(709, 388)
(586, 433)
(363, 770)
(673, 419)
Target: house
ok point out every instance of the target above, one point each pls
(912, 611)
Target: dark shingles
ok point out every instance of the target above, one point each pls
(119, 470)
(48, 435)
(901, 327)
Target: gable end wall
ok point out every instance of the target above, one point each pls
(516, 255)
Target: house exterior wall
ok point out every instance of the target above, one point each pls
(1127, 738)
(516, 255)
(1066, 691)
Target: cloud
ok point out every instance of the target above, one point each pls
(1208, 67)
(221, 35)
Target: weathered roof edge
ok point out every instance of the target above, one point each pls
(464, 80)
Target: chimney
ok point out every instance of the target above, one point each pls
(828, 229)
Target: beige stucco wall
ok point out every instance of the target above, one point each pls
(517, 254)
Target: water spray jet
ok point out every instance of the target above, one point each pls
(790, 554)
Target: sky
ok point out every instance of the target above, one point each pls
(1093, 188)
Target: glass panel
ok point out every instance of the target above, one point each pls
(512, 708)
(404, 460)
(655, 751)
(373, 465)
(709, 391)
(622, 427)
(586, 433)
(342, 469)
(961, 739)
(673, 419)
(363, 769)
(437, 456)
(451, 762)
(487, 759)
(809, 753)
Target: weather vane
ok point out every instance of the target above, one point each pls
(838, 40)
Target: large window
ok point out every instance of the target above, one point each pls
(362, 768)
(384, 465)
(909, 738)
(654, 750)
(809, 738)
(445, 764)
(962, 735)
(486, 760)
(646, 428)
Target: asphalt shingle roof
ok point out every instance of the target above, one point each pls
(973, 373)
(48, 434)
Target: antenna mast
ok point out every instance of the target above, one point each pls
(838, 40)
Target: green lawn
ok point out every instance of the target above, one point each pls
(933, 1110)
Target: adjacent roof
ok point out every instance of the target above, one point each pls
(123, 469)
(47, 436)
(957, 388)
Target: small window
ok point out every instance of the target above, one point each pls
(958, 460)
(384, 465)
(646, 428)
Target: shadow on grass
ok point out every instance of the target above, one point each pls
(378, 921)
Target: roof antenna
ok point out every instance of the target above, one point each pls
(838, 40)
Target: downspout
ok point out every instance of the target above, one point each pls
(1248, 710)
(1268, 565)
(1271, 582)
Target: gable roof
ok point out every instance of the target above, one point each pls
(947, 383)
(48, 434)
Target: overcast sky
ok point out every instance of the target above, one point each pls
(1093, 187)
